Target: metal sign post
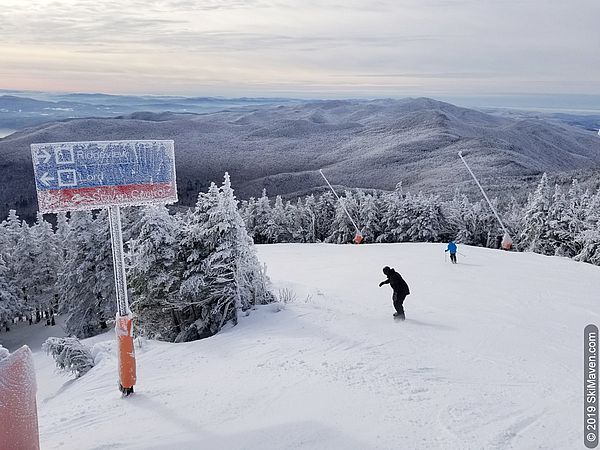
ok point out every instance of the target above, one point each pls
(116, 235)
(74, 176)
(124, 319)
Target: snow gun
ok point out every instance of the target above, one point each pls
(358, 237)
(507, 242)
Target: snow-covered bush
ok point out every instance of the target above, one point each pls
(69, 354)
(286, 296)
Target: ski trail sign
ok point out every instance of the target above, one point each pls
(71, 176)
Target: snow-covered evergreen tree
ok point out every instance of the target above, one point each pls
(325, 212)
(396, 217)
(46, 255)
(10, 304)
(577, 209)
(223, 275)
(370, 216)
(154, 274)
(248, 212)
(249, 274)
(105, 274)
(589, 239)
(24, 264)
(302, 225)
(458, 212)
(590, 246)
(12, 240)
(262, 215)
(427, 221)
(514, 212)
(535, 227)
(12, 231)
(279, 225)
(558, 235)
(310, 215)
(343, 230)
(86, 283)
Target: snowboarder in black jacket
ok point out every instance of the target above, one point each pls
(395, 280)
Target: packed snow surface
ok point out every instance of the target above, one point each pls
(490, 356)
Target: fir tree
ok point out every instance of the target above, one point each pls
(343, 229)
(223, 275)
(10, 304)
(370, 215)
(396, 217)
(249, 274)
(302, 221)
(154, 274)
(262, 214)
(12, 237)
(86, 282)
(428, 223)
(193, 250)
(279, 225)
(310, 208)
(23, 265)
(589, 238)
(47, 259)
(535, 220)
(325, 213)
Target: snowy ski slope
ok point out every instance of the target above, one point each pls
(490, 357)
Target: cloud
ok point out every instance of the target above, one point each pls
(374, 45)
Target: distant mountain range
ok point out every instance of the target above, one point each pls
(281, 146)
(18, 111)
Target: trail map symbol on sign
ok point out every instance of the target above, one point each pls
(89, 175)
(66, 177)
(64, 156)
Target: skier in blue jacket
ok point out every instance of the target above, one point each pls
(452, 249)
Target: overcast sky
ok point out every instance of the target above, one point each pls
(303, 48)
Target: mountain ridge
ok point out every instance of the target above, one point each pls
(369, 144)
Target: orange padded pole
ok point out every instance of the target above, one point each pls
(18, 408)
(127, 371)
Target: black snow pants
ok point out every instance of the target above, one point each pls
(398, 299)
(453, 258)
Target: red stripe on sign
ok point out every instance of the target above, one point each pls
(103, 196)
